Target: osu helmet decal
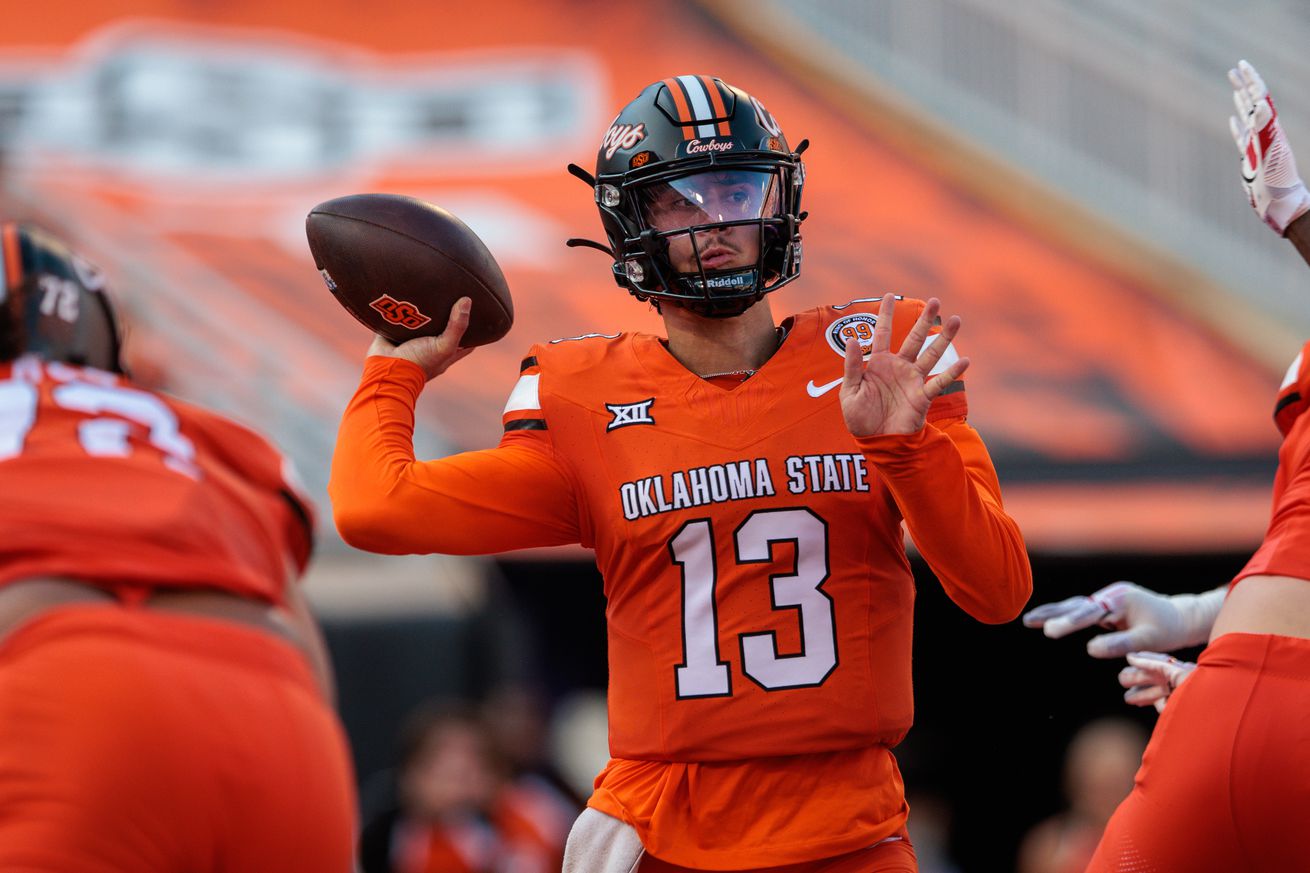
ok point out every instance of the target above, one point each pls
(699, 195)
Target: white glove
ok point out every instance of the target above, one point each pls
(1269, 172)
(1151, 677)
(1142, 619)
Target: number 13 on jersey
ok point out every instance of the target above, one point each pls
(703, 672)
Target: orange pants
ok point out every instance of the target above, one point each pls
(1225, 782)
(153, 742)
(893, 855)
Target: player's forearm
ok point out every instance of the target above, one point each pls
(1298, 232)
(957, 523)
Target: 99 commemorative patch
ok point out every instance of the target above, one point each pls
(857, 326)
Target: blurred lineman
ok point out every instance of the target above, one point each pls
(163, 689)
(743, 484)
(1225, 781)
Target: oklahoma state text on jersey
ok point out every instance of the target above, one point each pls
(759, 595)
(120, 486)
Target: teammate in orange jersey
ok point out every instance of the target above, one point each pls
(163, 689)
(1225, 781)
(743, 484)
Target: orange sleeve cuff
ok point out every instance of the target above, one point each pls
(901, 454)
(399, 372)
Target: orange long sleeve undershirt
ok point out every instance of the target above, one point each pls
(946, 488)
(515, 496)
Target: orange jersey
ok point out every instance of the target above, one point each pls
(1285, 550)
(116, 485)
(759, 595)
(1225, 781)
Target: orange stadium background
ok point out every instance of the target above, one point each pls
(181, 143)
(202, 134)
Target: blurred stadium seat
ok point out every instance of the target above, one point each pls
(1059, 173)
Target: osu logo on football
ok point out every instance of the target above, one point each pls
(399, 312)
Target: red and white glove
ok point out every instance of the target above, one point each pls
(1269, 172)
(1140, 619)
(1151, 677)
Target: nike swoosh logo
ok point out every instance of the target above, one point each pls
(820, 390)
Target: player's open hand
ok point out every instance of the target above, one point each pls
(1268, 168)
(434, 354)
(1151, 677)
(891, 392)
(1138, 617)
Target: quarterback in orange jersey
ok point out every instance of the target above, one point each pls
(164, 696)
(1225, 782)
(743, 484)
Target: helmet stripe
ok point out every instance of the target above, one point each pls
(13, 256)
(680, 103)
(700, 104)
(716, 100)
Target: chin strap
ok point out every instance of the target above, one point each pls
(575, 170)
(578, 243)
(574, 243)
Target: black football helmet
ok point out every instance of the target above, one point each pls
(700, 196)
(53, 303)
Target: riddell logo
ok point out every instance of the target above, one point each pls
(696, 146)
(732, 280)
(723, 282)
(399, 312)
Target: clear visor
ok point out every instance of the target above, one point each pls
(712, 197)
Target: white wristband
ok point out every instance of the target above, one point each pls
(1284, 209)
(1197, 613)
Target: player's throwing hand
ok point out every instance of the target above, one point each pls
(434, 354)
(890, 394)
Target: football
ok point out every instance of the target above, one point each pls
(398, 264)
